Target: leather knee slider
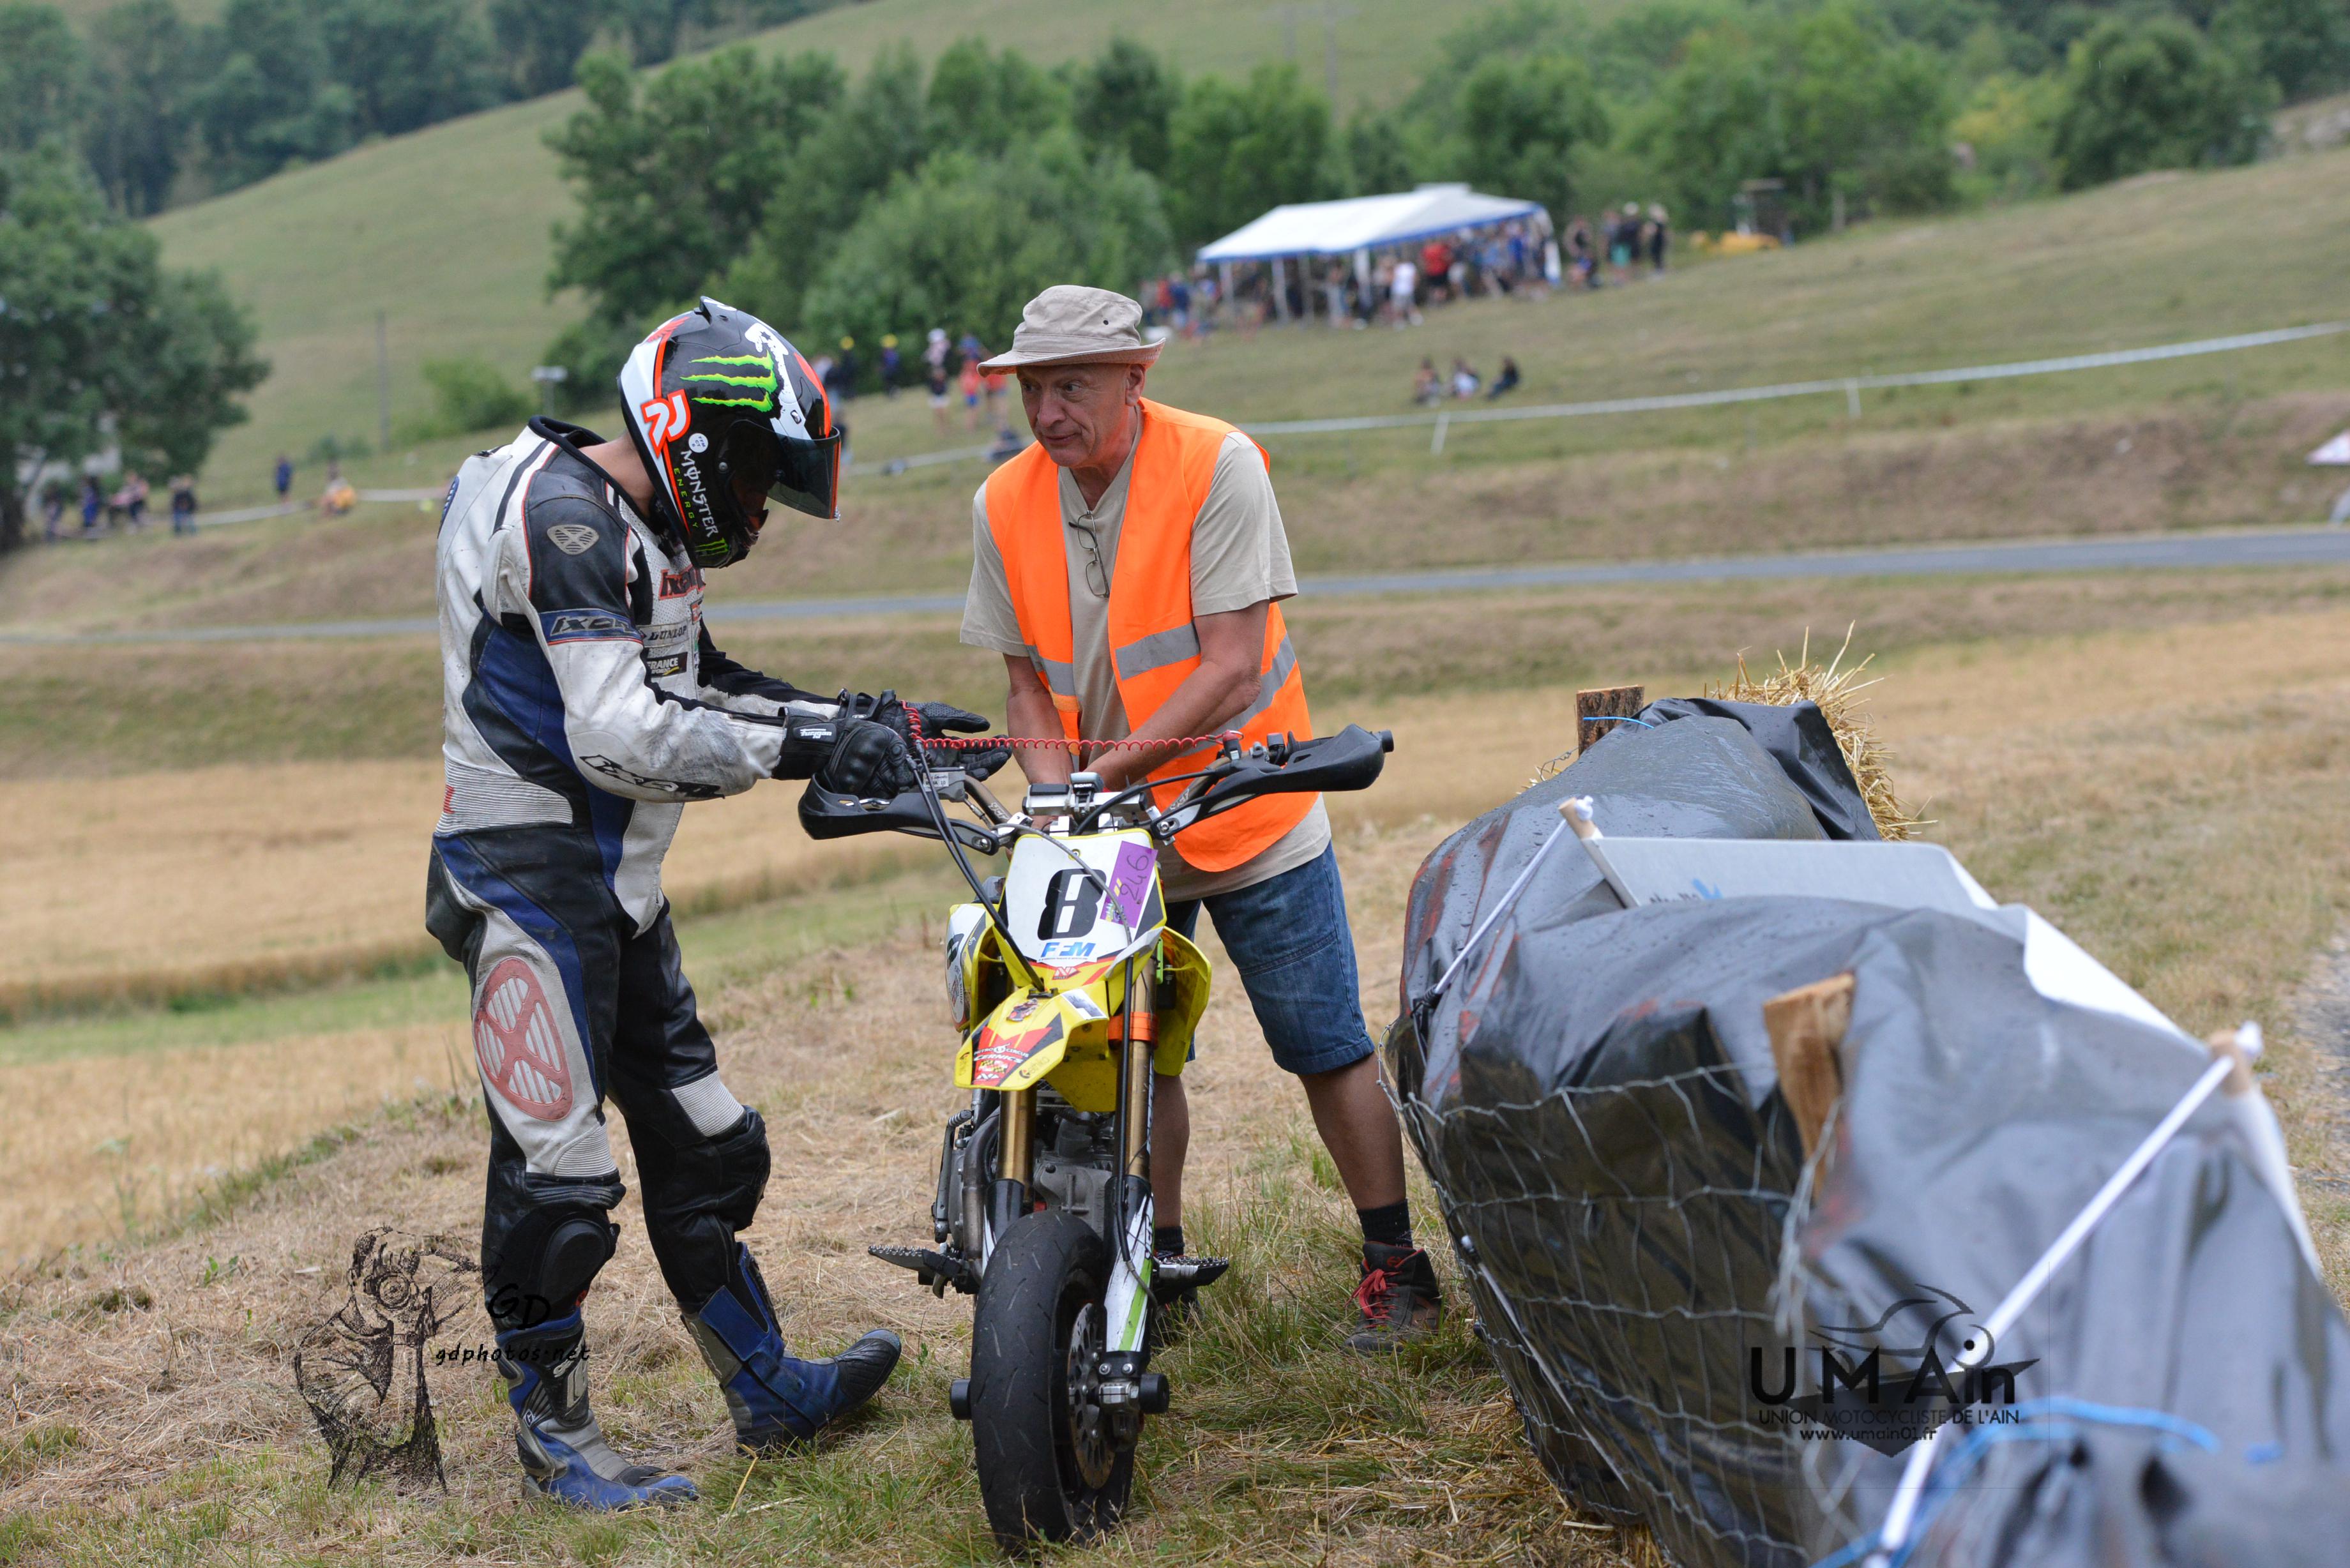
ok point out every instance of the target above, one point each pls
(742, 1166)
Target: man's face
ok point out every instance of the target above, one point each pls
(1079, 412)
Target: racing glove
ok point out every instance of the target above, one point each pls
(940, 719)
(868, 761)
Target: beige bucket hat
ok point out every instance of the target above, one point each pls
(1070, 324)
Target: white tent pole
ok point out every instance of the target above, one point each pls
(1280, 290)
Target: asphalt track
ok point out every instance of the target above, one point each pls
(2141, 552)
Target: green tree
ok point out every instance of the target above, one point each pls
(409, 63)
(2302, 46)
(2007, 125)
(2155, 95)
(987, 103)
(1863, 116)
(1633, 51)
(1380, 154)
(1824, 100)
(98, 342)
(1236, 151)
(874, 135)
(1524, 123)
(652, 25)
(966, 242)
(540, 41)
(674, 183)
(1716, 122)
(470, 394)
(44, 76)
(270, 98)
(139, 120)
(1125, 98)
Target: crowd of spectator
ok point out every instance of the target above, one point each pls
(1524, 259)
(949, 373)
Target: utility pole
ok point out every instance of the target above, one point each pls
(1332, 15)
(382, 384)
(1288, 14)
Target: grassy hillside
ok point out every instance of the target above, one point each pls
(445, 231)
(2213, 441)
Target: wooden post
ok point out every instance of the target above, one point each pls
(1806, 1026)
(1603, 703)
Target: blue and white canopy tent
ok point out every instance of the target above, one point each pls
(1358, 225)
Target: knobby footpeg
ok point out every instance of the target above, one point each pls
(932, 1269)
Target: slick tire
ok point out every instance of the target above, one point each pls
(1044, 1474)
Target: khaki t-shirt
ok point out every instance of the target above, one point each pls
(1240, 557)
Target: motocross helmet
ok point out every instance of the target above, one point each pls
(717, 396)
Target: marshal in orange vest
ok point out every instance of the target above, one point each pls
(1152, 644)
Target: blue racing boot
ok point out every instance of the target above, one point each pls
(564, 1455)
(777, 1399)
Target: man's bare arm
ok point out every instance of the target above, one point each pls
(1028, 711)
(1231, 651)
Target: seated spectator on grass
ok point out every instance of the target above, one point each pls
(1465, 381)
(1425, 386)
(1507, 380)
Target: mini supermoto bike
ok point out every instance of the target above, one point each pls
(1068, 991)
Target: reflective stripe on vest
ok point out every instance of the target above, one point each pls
(1154, 647)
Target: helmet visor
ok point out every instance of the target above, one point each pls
(803, 474)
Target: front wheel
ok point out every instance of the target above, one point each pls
(1048, 1467)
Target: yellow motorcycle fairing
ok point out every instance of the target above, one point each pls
(1061, 1034)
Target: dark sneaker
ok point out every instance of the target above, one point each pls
(1398, 1299)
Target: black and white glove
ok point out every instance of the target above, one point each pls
(868, 761)
(938, 720)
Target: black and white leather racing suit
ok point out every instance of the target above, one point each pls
(584, 705)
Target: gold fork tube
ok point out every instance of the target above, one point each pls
(1019, 1135)
(1135, 1062)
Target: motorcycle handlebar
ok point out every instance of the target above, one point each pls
(1349, 760)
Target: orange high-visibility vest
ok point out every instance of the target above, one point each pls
(1153, 646)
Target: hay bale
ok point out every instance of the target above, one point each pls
(1837, 692)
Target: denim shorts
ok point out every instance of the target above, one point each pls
(1288, 938)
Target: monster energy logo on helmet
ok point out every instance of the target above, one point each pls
(763, 384)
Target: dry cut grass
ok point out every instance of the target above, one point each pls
(2200, 843)
(232, 878)
(111, 1145)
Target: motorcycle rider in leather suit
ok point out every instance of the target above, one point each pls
(585, 703)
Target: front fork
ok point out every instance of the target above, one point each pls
(1127, 1306)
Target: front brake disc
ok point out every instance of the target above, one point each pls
(1089, 1435)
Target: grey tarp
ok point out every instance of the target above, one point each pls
(1596, 1102)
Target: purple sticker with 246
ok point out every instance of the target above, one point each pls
(1129, 881)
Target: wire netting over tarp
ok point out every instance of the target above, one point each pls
(1595, 1101)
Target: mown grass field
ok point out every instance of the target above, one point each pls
(2201, 854)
